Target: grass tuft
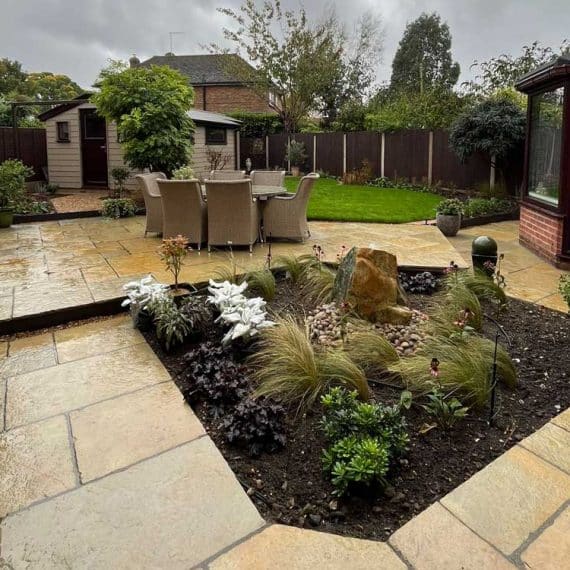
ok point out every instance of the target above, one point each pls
(293, 266)
(482, 286)
(371, 351)
(287, 367)
(261, 282)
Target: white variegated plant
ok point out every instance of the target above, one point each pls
(141, 294)
(246, 317)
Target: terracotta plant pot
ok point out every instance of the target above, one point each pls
(295, 171)
(448, 224)
(6, 217)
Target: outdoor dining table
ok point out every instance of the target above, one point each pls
(262, 193)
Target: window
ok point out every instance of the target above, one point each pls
(216, 136)
(545, 143)
(62, 131)
(94, 127)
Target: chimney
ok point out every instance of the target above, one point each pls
(134, 61)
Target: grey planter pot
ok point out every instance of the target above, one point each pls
(448, 225)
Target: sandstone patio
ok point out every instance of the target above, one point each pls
(56, 265)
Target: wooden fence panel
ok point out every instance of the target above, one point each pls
(448, 170)
(329, 153)
(277, 150)
(307, 140)
(364, 146)
(32, 148)
(407, 155)
(254, 149)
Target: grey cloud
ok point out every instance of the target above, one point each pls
(76, 37)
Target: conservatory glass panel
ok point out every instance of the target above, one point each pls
(545, 143)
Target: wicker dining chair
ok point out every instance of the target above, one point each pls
(227, 175)
(286, 216)
(233, 213)
(152, 200)
(183, 210)
(268, 177)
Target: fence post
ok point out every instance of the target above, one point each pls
(344, 153)
(238, 152)
(314, 153)
(430, 158)
(382, 154)
(266, 152)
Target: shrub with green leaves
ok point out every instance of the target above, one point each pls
(475, 207)
(364, 438)
(118, 208)
(13, 174)
(446, 409)
(450, 207)
(172, 328)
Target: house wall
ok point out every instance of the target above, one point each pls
(64, 159)
(541, 233)
(228, 99)
(200, 162)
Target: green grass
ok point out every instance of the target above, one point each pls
(336, 202)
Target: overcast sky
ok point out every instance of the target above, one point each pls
(76, 37)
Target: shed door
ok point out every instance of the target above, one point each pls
(93, 148)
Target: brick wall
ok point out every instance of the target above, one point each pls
(541, 233)
(229, 99)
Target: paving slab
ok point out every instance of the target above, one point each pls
(27, 354)
(119, 432)
(35, 463)
(172, 511)
(510, 498)
(435, 539)
(551, 550)
(551, 443)
(563, 420)
(59, 389)
(94, 338)
(283, 547)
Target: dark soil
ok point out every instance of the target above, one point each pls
(288, 487)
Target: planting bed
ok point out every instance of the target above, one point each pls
(288, 486)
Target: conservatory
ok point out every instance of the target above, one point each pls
(545, 205)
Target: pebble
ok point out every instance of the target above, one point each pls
(315, 520)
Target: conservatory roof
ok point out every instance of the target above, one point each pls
(556, 69)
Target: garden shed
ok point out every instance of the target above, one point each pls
(545, 205)
(83, 149)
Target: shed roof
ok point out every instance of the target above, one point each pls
(198, 116)
(204, 69)
(557, 68)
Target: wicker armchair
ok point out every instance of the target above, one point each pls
(183, 210)
(268, 177)
(227, 175)
(286, 216)
(233, 213)
(152, 200)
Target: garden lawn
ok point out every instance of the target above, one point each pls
(347, 203)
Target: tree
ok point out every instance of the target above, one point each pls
(429, 110)
(495, 126)
(11, 76)
(305, 64)
(150, 107)
(46, 86)
(502, 72)
(423, 60)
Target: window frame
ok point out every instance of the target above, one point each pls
(209, 129)
(60, 125)
(537, 204)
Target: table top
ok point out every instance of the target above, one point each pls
(262, 192)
